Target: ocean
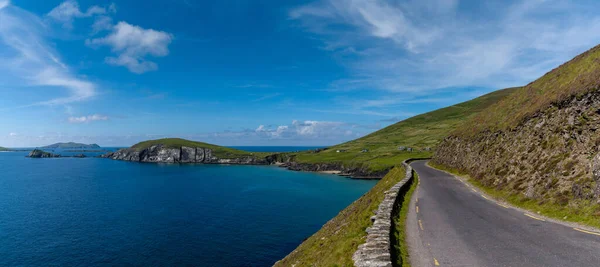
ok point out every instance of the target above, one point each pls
(92, 211)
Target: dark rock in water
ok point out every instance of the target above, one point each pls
(36, 153)
(79, 156)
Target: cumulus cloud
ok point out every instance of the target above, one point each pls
(133, 44)
(13, 134)
(29, 59)
(67, 11)
(304, 129)
(87, 119)
(421, 46)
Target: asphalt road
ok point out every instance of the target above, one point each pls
(456, 226)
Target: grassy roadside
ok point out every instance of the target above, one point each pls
(339, 238)
(401, 257)
(585, 212)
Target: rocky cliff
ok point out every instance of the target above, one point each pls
(36, 153)
(553, 155)
(183, 154)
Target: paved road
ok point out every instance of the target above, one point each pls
(455, 226)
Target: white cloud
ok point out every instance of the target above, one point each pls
(102, 23)
(87, 119)
(13, 134)
(4, 4)
(67, 11)
(420, 46)
(303, 129)
(28, 59)
(133, 44)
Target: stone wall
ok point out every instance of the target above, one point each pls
(552, 156)
(377, 251)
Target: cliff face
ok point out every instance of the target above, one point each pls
(552, 156)
(36, 153)
(162, 154)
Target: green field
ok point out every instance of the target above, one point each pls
(218, 151)
(419, 132)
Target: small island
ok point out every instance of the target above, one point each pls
(36, 153)
(71, 145)
(176, 150)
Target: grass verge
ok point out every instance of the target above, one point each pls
(400, 255)
(339, 238)
(584, 212)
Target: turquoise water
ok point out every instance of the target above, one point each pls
(70, 211)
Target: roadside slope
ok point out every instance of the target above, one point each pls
(539, 146)
(339, 238)
(458, 226)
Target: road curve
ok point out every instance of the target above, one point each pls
(455, 226)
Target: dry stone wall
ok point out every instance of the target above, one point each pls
(377, 251)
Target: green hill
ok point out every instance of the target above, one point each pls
(419, 133)
(4, 149)
(219, 151)
(574, 78)
(539, 146)
(337, 240)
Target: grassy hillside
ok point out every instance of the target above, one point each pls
(335, 243)
(576, 77)
(219, 151)
(538, 147)
(418, 132)
(4, 149)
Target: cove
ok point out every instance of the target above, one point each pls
(92, 211)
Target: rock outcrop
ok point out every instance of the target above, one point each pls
(36, 153)
(361, 172)
(554, 155)
(162, 154)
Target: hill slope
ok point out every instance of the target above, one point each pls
(540, 144)
(419, 133)
(4, 149)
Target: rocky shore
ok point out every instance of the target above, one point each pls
(36, 153)
(163, 154)
(338, 168)
(183, 154)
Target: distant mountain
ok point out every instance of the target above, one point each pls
(70, 145)
(4, 149)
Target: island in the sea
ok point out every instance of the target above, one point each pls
(176, 150)
(71, 145)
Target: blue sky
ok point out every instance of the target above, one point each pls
(265, 72)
